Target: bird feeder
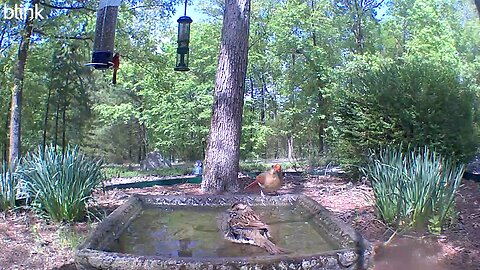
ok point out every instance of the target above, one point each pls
(183, 40)
(105, 34)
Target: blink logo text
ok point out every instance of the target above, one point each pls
(20, 12)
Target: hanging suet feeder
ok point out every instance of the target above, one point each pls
(103, 45)
(183, 41)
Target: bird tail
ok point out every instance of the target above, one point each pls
(114, 79)
(251, 184)
(272, 248)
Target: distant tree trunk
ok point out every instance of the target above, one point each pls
(142, 141)
(143, 129)
(64, 126)
(477, 3)
(141, 154)
(321, 131)
(290, 154)
(16, 105)
(5, 136)
(57, 111)
(45, 119)
(130, 141)
(223, 150)
(252, 109)
(262, 100)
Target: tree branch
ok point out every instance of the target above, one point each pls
(68, 8)
(77, 37)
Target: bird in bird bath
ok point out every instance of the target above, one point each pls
(245, 227)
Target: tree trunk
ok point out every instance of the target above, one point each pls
(45, 119)
(321, 131)
(64, 126)
(223, 150)
(262, 100)
(16, 105)
(57, 110)
(290, 154)
(130, 141)
(252, 109)
(5, 136)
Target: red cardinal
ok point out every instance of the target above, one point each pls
(270, 180)
(116, 65)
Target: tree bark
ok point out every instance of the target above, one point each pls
(223, 150)
(5, 136)
(252, 109)
(262, 100)
(64, 126)
(45, 119)
(16, 105)
(290, 150)
(57, 111)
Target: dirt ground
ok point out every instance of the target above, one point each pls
(29, 242)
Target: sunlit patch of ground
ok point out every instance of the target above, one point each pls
(28, 242)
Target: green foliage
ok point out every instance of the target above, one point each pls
(415, 187)
(125, 171)
(259, 166)
(70, 237)
(9, 179)
(61, 184)
(403, 102)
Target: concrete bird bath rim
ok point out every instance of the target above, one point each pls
(353, 252)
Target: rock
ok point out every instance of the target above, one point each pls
(474, 165)
(472, 169)
(154, 160)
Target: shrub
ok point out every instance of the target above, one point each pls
(401, 102)
(61, 184)
(8, 186)
(415, 188)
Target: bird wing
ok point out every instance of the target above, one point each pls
(248, 220)
(260, 179)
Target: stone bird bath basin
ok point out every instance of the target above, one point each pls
(181, 232)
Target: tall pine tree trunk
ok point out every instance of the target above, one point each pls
(64, 125)
(223, 150)
(57, 111)
(45, 119)
(16, 105)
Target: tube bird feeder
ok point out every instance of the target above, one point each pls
(104, 42)
(183, 41)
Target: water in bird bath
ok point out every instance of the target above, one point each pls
(193, 232)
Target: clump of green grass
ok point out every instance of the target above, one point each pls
(71, 238)
(61, 184)
(8, 185)
(415, 188)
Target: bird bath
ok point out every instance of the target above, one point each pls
(175, 232)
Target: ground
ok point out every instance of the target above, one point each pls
(29, 242)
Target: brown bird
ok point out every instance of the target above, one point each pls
(269, 181)
(116, 66)
(245, 227)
